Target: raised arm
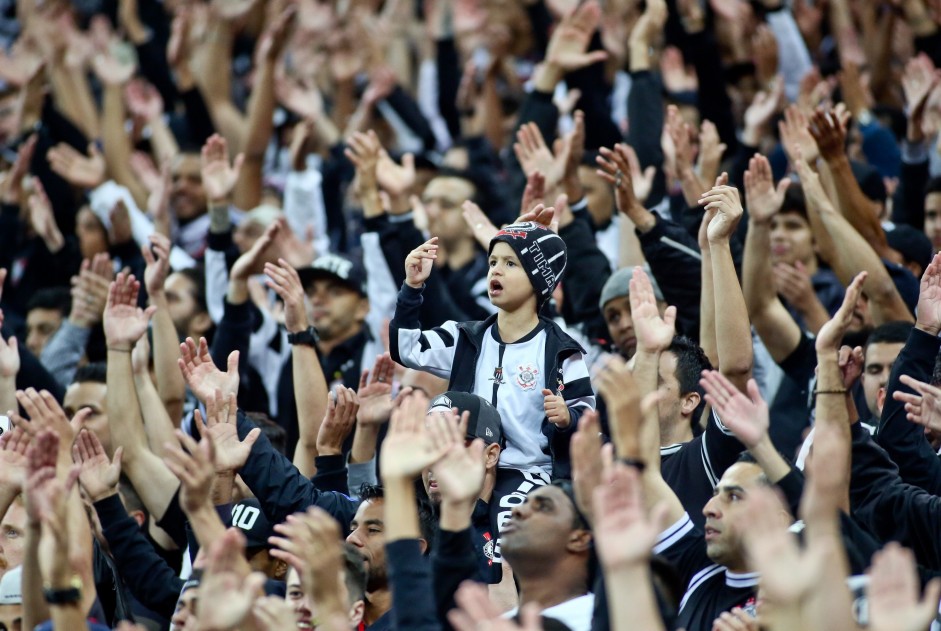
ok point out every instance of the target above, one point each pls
(733, 331)
(310, 386)
(830, 135)
(170, 382)
(635, 433)
(775, 326)
(124, 324)
(852, 253)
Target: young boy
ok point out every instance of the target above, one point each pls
(524, 364)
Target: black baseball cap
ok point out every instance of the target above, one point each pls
(347, 270)
(248, 517)
(484, 421)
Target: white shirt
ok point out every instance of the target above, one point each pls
(575, 614)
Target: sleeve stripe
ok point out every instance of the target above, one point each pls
(445, 336)
(423, 343)
(673, 534)
(578, 388)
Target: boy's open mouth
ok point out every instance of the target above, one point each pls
(495, 287)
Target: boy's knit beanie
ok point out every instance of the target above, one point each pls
(541, 252)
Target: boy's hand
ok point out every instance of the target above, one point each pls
(419, 261)
(556, 409)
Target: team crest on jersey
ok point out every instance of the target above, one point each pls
(526, 377)
(488, 548)
(498, 376)
(751, 607)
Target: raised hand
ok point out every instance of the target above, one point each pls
(928, 311)
(201, 373)
(195, 466)
(9, 358)
(98, 475)
(342, 406)
(43, 220)
(143, 100)
(831, 334)
(621, 169)
(850, 362)
(480, 223)
(157, 257)
(375, 392)
(796, 138)
(725, 200)
(586, 461)
(410, 447)
(918, 81)
(90, 290)
(45, 413)
(762, 198)
(232, 9)
(460, 473)
(763, 107)
(13, 446)
(624, 534)
(654, 333)
(311, 543)
(419, 261)
(616, 385)
(923, 408)
(746, 416)
(77, 169)
(284, 280)
(115, 64)
(363, 151)
(787, 573)
(219, 176)
(124, 321)
(535, 156)
(11, 188)
(396, 179)
(221, 428)
(252, 262)
(894, 603)
(829, 134)
(711, 149)
(569, 42)
(227, 591)
(273, 613)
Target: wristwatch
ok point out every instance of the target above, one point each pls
(307, 337)
(64, 595)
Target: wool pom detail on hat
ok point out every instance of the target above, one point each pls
(541, 252)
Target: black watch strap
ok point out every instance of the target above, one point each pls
(307, 337)
(66, 596)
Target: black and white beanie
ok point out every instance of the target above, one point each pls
(541, 252)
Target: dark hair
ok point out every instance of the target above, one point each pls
(354, 574)
(96, 372)
(763, 479)
(132, 500)
(371, 492)
(57, 298)
(933, 185)
(197, 276)
(691, 360)
(276, 434)
(890, 333)
(794, 201)
(579, 522)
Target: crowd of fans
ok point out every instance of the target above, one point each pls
(470, 314)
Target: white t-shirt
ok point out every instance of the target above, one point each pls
(575, 614)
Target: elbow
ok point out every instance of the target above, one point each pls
(738, 369)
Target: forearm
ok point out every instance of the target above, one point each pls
(646, 376)
(770, 460)
(364, 443)
(855, 206)
(170, 384)
(80, 549)
(63, 88)
(401, 514)
(8, 394)
(260, 127)
(832, 437)
(158, 426)
(854, 255)
(707, 311)
(35, 609)
(163, 141)
(757, 272)
(634, 606)
(733, 332)
(310, 395)
(117, 148)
